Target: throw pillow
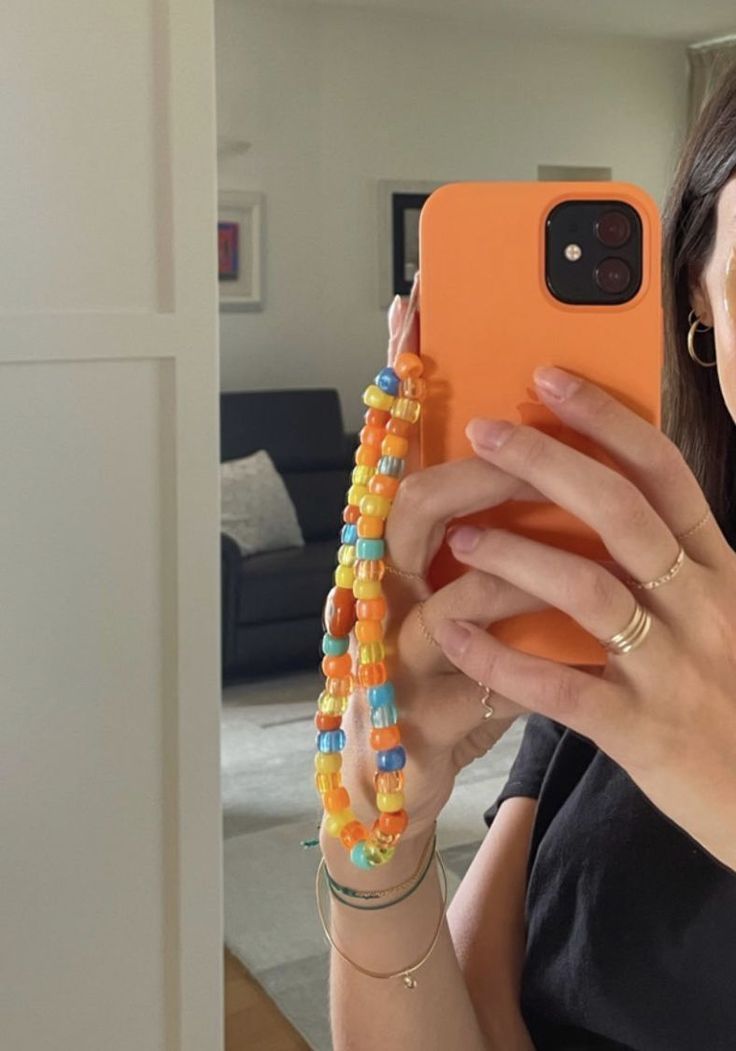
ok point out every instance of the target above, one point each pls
(257, 511)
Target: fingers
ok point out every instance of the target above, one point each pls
(649, 458)
(475, 596)
(426, 500)
(451, 714)
(587, 704)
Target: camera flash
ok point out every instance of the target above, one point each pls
(573, 252)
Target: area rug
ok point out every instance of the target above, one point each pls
(270, 806)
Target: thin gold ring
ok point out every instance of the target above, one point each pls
(703, 520)
(423, 625)
(403, 572)
(490, 710)
(632, 635)
(650, 585)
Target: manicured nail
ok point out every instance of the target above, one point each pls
(464, 538)
(557, 382)
(489, 434)
(452, 637)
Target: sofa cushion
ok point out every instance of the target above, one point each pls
(256, 509)
(287, 584)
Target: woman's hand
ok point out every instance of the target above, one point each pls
(666, 711)
(441, 717)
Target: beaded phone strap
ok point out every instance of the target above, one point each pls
(357, 603)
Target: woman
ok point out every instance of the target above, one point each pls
(600, 909)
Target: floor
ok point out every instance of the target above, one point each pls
(252, 1020)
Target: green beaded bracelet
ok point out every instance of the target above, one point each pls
(369, 908)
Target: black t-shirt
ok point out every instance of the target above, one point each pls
(631, 925)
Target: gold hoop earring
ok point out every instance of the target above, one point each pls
(691, 339)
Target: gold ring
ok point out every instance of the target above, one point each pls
(632, 635)
(403, 572)
(703, 520)
(650, 585)
(423, 625)
(490, 710)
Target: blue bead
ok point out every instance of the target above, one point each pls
(331, 741)
(388, 380)
(391, 465)
(391, 759)
(349, 534)
(357, 855)
(385, 715)
(383, 694)
(366, 548)
(335, 645)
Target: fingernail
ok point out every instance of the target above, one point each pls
(464, 538)
(452, 637)
(489, 434)
(393, 314)
(554, 381)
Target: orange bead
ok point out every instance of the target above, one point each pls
(369, 631)
(367, 455)
(351, 514)
(371, 608)
(393, 445)
(353, 832)
(371, 436)
(371, 526)
(323, 721)
(393, 823)
(385, 737)
(401, 428)
(337, 667)
(336, 799)
(408, 364)
(377, 417)
(372, 674)
(383, 485)
(339, 615)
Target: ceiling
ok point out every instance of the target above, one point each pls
(685, 20)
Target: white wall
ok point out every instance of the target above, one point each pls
(333, 99)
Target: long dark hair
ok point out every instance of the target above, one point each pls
(694, 412)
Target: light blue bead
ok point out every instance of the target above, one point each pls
(335, 645)
(331, 741)
(383, 694)
(388, 380)
(357, 855)
(367, 548)
(391, 759)
(349, 534)
(392, 465)
(385, 715)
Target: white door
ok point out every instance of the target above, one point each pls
(110, 900)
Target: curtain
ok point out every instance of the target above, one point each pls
(707, 63)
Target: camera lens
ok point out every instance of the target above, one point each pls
(613, 275)
(613, 229)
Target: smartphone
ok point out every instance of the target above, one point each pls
(519, 274)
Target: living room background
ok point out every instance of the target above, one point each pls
(333, 98)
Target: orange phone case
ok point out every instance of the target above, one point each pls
(487, 319)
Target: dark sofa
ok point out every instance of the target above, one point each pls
(272, 602)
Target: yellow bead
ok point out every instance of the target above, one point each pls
(371, 651)
(328, 762)
(370, 568)
(334, 823)
(406, 409)
(344, 576)
(367, 588)
(356, 494)
(331, 705)
(390, 801)
(377, 398)
(374, 506)
(362, 474)
(339, 687)
(376, 854)
(346, 554)
(326, 782)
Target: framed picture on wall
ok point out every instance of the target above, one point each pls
(240, 249)
(399, 206)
